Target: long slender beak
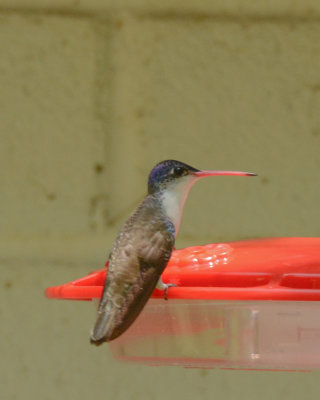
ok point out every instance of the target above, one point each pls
(202, 174)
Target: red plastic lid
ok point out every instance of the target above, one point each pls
(261, 269)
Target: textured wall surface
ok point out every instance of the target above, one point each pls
(93, 94)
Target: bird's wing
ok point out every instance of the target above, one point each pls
(136, 265)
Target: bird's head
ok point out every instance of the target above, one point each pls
(171, 174)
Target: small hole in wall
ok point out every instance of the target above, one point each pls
(98, 168)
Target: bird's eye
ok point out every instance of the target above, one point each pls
(178, 171)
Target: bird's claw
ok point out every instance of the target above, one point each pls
(167, 286)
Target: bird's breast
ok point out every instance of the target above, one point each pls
(173, 200)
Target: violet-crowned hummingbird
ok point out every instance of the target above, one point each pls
(143, 247)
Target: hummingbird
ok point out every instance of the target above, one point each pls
(143, 247)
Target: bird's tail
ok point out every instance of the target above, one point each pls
(101, 330)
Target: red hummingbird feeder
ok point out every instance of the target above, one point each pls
(250, 304)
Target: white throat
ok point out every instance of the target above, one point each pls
(174, 197)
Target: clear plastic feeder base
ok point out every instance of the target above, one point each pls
(224, 334)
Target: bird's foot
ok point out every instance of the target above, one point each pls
(165, 287)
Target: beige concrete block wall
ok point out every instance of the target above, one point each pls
(93, 94)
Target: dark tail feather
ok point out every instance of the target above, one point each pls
(100, 330)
